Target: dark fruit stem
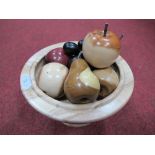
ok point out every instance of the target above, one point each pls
(121, 36)
(105, 29)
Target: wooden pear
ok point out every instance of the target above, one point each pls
(81, 85)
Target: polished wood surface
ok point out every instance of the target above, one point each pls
(64, 110)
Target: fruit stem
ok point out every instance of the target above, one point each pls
(105, 29)
(121, 36)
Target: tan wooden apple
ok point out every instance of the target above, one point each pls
(101, 48)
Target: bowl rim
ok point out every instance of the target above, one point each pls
(74, 113)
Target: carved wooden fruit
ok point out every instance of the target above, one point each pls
(108, 79)
(81, 85)
(52, 76)
(101, 51)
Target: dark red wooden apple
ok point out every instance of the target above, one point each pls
(57, 55)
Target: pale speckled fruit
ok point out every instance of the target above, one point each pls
(52, 78)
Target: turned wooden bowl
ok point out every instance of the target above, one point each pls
(62, 110)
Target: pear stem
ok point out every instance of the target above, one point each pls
(121, 37)
(105, 29)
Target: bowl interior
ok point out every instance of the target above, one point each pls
(40, 65)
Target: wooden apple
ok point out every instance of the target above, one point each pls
(101, 48)
(108, 80)
(57, 55)
(52, 78)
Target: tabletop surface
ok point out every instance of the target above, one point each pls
(20, 39)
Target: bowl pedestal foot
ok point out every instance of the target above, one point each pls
(76, 124)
